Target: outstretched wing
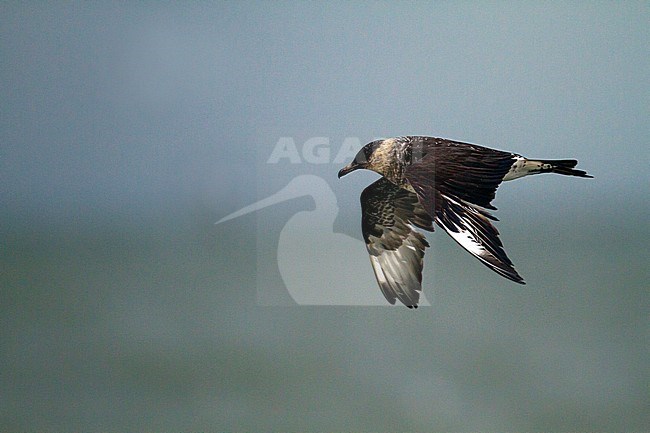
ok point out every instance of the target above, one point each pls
(470, 226)
(456, 183)
(390, 215)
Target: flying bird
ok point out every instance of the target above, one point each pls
(427, 180)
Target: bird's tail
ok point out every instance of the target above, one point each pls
(561, 166)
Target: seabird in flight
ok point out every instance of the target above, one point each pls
(427, 179)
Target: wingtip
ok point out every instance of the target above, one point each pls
(512, 275)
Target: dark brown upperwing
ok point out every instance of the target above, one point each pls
(466, 171)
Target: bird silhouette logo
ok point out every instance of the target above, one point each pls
(319, 266)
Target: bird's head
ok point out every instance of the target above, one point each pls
(368, 157)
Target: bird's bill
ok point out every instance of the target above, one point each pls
(347, 169)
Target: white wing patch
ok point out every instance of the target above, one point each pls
(467, 241)
(473, 231)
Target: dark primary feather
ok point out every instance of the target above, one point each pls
(389, 215)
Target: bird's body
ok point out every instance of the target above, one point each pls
(426, 180)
